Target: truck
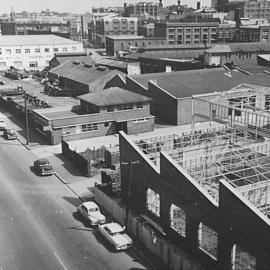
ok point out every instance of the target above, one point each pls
(3, 124)
(11, 90)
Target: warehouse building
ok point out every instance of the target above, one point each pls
(33, 52)
(172, 92)
(207, 190)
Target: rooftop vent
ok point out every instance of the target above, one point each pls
(75, 62)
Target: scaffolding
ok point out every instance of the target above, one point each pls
(225, 152)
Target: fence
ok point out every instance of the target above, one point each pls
(167, 253)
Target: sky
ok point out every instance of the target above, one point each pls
(78, 6)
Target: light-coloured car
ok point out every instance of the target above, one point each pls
(116, 235)
(91, 212)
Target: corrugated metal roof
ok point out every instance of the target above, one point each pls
(18, 40)
(113, 96)
(182, 84)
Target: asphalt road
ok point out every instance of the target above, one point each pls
(39, 227)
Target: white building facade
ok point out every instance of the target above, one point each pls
(33, 52)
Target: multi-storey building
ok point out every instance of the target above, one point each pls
(142, 8)
(187, 32)
(227, 32)
(248, 9)
(254, 33)
(115, 26)
(33, 51)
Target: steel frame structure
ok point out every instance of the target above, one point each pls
(227, 152)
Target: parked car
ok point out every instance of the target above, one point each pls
(9, 134)
(115, 234)
(43, 167)
(91, 212)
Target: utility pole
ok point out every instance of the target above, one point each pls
(26, 120)
(130, 164)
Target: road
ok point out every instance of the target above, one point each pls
(39, 227)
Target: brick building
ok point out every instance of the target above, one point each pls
(238, 53)
(116, 44)
(172, 93)
(99, 114)
(114, 26)
(187, 32)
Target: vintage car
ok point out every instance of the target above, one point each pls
(43, 167)
(116, 235)
(91, 212)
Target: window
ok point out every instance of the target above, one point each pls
(33, 64)
(153, 202)
(65, 49)
(207, 239)
(171, 30)
(17, 63)
(171, 36)
(197, 30)
(178, 219)
(139, 105)
(124, 107)
(179, 30)
(74, 48)
(55, 49)
(205, 30)
(196, 36)
(171, 42)
(37, 50)
(18, 50)
(188, 30)
(141, 120)
(89, 127)
(27, 50)
(47, 50)
(110, 109)
(241, 259)
(188, 36)
(8, 51)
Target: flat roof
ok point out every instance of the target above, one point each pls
(18, 40)
(183, 84)
(125, 37)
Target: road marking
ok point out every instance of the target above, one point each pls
(60, 261)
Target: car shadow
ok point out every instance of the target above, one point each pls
(100, 239)
(33, 170)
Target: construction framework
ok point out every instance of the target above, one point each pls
(224, 152)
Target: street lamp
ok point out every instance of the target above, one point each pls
(26, 119)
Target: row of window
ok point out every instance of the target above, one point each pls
(195, 36)
(37, 50)
(207, 237)
(124, 107)
(19, 63)
(189, 30)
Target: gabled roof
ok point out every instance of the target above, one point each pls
(80, 57)
(238, 47)
(79, 71)
(183, 84)
(113, 96)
